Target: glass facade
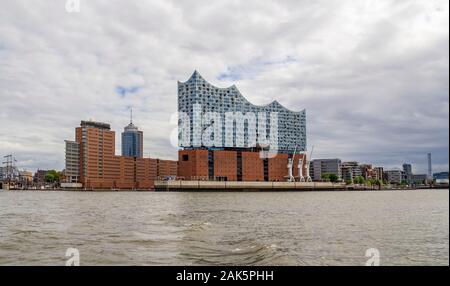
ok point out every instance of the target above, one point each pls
(132, 142)
(197, 96)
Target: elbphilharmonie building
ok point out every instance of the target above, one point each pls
(205, 104)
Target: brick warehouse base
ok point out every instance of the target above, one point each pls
(231, 165)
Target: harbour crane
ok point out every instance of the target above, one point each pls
(302, 178)
(291, 177)
(307, 162)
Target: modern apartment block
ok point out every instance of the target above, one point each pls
(394, 176)
(318, 167)
(72, 170)
(222, 134)
(100, 168)
(407, 172)
(419, 179)
(350, 170)
(378, 173)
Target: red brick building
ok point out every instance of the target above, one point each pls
(252, 167)
(202, 164)
(100, 168)
(193, 164)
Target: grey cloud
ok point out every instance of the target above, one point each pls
(373, 75)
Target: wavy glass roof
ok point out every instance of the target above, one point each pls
(196, 78)
(197, 91)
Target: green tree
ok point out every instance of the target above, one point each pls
(333, 178)
(371, 182)
(52, 176)
(329, 177)
(359, 180)
(325, 177)
(49, 178)
(349, 181)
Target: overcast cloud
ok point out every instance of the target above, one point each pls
(372, 75)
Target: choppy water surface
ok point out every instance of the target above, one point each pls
(286, 228)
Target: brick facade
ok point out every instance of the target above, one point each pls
(193, 164)
(201, 164)
(252, 167)
(100, 168)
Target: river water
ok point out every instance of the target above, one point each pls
(267, 228)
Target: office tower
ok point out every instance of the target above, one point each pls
(132, 140)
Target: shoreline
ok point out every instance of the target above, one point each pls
(231, 190)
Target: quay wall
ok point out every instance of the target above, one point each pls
(245, 186)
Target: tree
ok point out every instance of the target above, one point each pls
(371, 182)
(49, 178)
(52, 176)
(325, 177)
(334, 178)
(359, 180)
(329, 177)
(349, 181)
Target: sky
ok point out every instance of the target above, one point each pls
(373, 76)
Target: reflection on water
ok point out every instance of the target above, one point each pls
(316, 228)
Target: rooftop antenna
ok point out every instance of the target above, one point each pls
(131, 115)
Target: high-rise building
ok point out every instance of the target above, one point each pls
(221, 134)
(407, 170)
(132, 141)
(97, 146)
(318, 167)
(100, 168)
(72, 170)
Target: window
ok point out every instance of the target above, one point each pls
(185, 157)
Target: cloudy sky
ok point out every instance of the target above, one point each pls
(372, 75)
